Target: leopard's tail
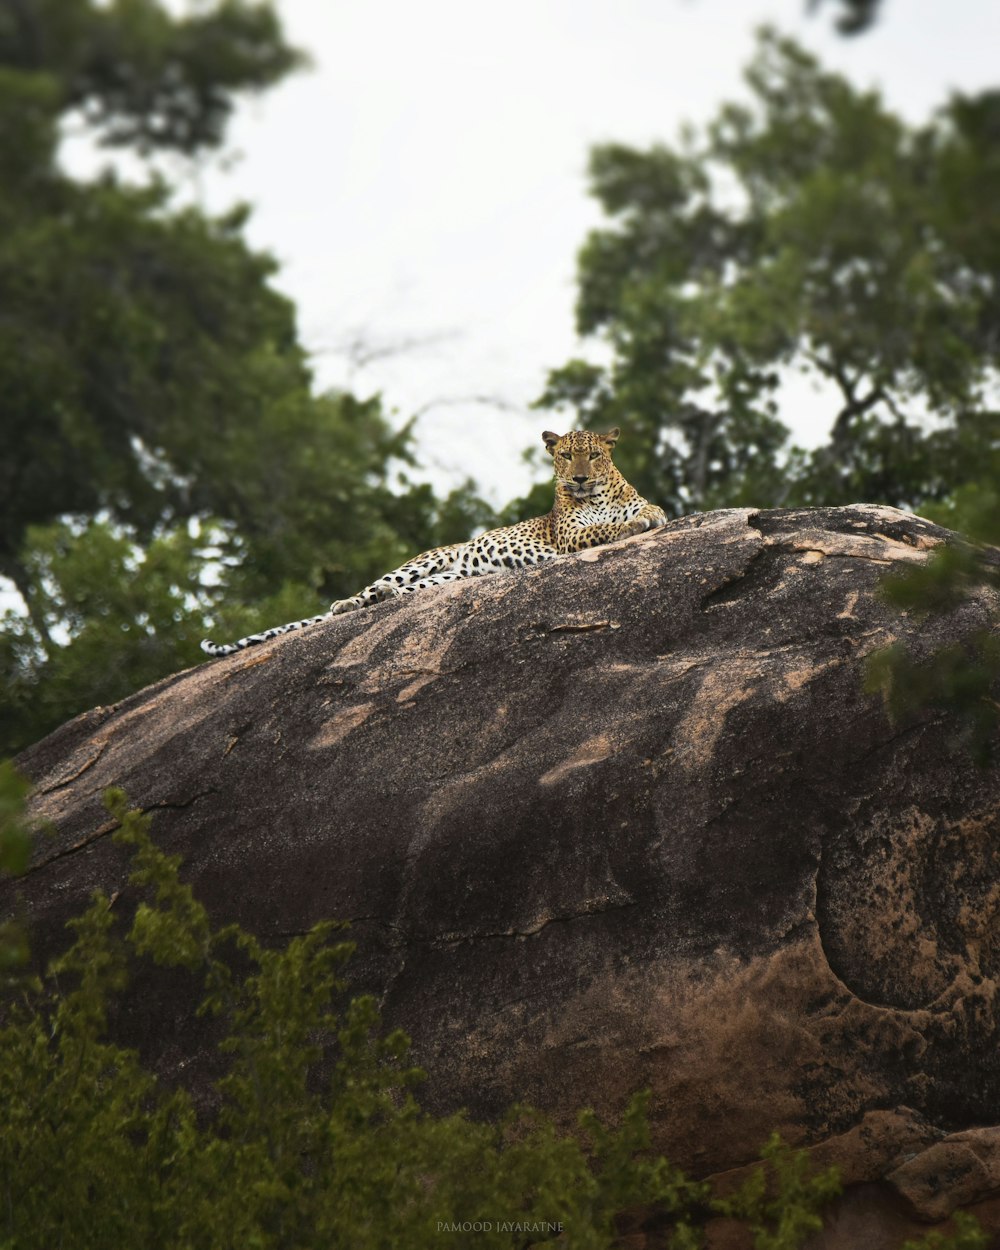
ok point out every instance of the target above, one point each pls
(230, 648)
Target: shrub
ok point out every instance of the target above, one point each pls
(316, 1139)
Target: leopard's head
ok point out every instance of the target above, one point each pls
(582, 459)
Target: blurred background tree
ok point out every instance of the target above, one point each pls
(810, 231)
(166, 465)
(169, 470)
(855, 15)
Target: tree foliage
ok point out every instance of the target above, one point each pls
(136, 337)
(317, 1138)
(169, 471)
(808, 230)
(962, 679)
(167, 466)
(783, 1203)
(313, 1135)
(811, 230)
(855, 15)
(141, 75)
(966, 1234)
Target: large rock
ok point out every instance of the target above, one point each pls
(626, 820)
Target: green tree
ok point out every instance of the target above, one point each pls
(809, 229)
(167, 466)
(782, 1204)
(133, 335)
(139, 73)
(966, 1235)
(16, 838)
(127, 610)
(317, 1138)
(313, 1135)
(961, 679)
(855, 16)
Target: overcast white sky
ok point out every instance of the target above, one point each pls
(426, 179)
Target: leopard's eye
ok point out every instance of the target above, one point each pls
(595, 455)
(566, 455)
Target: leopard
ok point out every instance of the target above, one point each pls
(594, 505)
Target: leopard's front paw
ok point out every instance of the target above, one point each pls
(638, 525)
(344, 605)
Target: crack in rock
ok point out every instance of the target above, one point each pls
(110, 826)
(60, 785)
(444, 940)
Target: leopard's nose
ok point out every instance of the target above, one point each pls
(580, 479)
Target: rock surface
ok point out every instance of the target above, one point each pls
(626, 820)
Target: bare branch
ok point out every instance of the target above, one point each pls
(361, 349)
(855, 405)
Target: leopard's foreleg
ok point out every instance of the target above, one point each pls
(650, 517)
(408, 576)
(435, 579)
(497, 551)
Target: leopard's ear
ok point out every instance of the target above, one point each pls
(550, 440)
(611, 438)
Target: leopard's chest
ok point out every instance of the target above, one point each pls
(603, 512)
(592, 523)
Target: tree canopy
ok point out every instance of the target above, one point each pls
(166, 460)
(140, 74)
(855, 15)
(806, 229)
(133, 335)
(168, 467)
(312, 1135)
(810, 229)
